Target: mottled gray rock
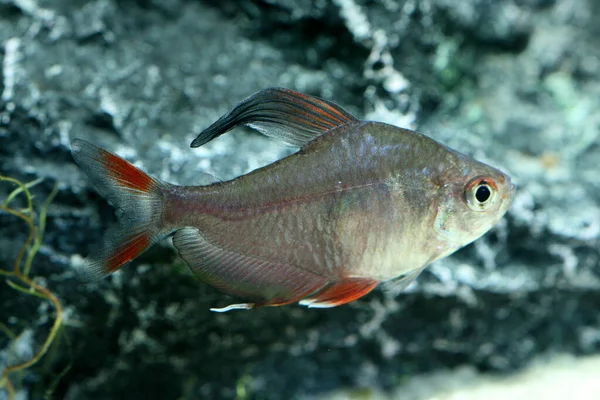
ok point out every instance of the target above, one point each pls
(515, 83)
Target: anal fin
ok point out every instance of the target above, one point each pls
(261, 282)
(341, 292)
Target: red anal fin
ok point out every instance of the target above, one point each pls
(340, 293)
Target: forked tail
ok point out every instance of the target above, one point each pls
(138, 195)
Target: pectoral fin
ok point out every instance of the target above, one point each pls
(291, 117)
(397, 285)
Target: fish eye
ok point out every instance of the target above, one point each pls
(479, 193)
(483, 193)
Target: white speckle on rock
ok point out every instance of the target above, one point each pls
(32, 8)
(64, 130)
(10, 67)
(21, 349)
(381, 113)
(395, 82)
(569, 258)
(356, 20)
(112, 106)
(53, 71)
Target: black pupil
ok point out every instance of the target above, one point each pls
(482, 194)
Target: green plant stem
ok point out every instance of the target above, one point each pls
(27, 285)
(41, 227)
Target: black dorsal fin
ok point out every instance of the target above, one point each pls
(291, 117)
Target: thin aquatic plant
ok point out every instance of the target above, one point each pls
(19, 279)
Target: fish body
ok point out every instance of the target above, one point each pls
(360, 203)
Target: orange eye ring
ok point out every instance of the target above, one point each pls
(480, 192)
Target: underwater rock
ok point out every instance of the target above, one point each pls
(514, 83)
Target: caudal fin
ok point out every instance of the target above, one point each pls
(138, 195)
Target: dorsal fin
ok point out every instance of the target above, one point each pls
(291, 117)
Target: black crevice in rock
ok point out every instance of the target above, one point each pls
(9, 11)
(311, 40)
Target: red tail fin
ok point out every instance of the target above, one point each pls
(129, 189)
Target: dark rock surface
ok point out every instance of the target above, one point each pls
(515, 83)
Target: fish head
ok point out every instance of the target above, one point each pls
(473, 198)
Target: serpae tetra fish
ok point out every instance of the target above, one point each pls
(360, 203)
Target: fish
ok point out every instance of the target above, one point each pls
(359, 204)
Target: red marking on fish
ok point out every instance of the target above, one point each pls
(320, 110)
(341, 292)
(126, 252)
(124, 173)
(228, 212)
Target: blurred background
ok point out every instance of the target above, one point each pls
(515, 83)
